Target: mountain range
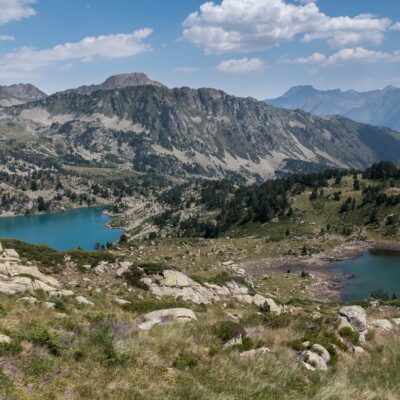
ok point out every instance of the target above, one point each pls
(376, 107)
(188, 132)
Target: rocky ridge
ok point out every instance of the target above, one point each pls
(187, 132)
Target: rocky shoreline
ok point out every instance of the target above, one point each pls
(327, 283)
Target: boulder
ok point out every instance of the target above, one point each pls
(396, 321)
(356, 316)
(358, 350)
(162, 317)
(61, 293)
(314, 360)
(176, 279)
(255, 352)
(49, 305)
(273, 307)
(4, 339)
(84, 301)
(321, 351)
(122, 302)
(383, 324)
(28, 299)
(11, 253)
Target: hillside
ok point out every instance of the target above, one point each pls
(252, 314)
(376, 107)
(186, 132)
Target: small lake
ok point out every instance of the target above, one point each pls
(375, 269)
(82, 227)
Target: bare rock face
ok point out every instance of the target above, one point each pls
(18, 278)
(162, 317)
(356, 317)
(383, 324)
(178, 285)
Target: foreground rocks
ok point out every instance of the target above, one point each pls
(161, 317)
(15, 277)
(177, 285)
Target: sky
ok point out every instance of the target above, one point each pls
(257, 48)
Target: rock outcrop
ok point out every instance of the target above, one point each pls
(178, 285)
(162, 317)
(15, 277)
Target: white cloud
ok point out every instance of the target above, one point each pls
(14, 10)
(395, 27)
(350, 55)
(5, 38)
(89, 48)
(255, 25)
(242, 66)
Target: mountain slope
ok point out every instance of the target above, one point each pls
(118, 82)
(203, 132)
(377, 107)
(21, 93)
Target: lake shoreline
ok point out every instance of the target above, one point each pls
(327, 283)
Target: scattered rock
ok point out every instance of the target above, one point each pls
(49, 305)
(381, 324)
(273, 307)
(28, 299)
(314, 360)
(356, 316)
(358, 350)
(321, 351)
(396, 321)
(161, 317)
(234, 342)
(84, 301)
(4, 339)
(255, 352)
(122, 302)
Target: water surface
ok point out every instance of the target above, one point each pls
(372, 271)
(83, 227)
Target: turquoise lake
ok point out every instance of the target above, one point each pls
(82, 227)
(372, 271)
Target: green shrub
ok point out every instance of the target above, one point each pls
(277, 321)
(227, 330)
(37, 366)
(350, 334)
(106, 334)
(152, 268)
(2, 311)
(133, 277)
(185, 361)
(42, 337)
(152, 304)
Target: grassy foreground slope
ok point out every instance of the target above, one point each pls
(63, 348)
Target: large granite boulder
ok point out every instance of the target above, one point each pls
(162, 317)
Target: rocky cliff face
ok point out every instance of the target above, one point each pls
(377, 107)
(203, 132)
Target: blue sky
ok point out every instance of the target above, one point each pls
(256, 48)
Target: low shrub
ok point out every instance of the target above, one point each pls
(277, 321)
(227, 330)
(184, 361)
(42, 337)
(350, 334)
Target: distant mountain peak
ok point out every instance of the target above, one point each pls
(129, 79)
(118, 81)
(376, 107)
(21, 92)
